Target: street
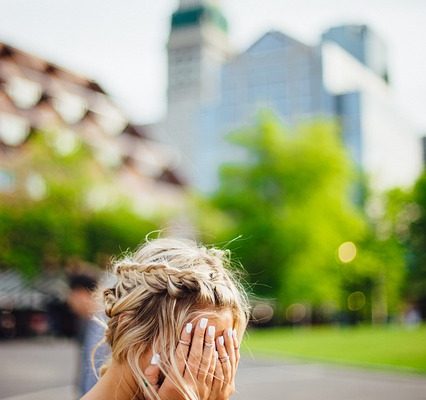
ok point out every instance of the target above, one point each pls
(45, 368)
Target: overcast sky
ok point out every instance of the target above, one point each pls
(121, 43)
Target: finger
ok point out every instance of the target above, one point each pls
(229, 346)
(218, 380)
(208, 351)
(152, 375)
(196, 351)
(183, 346)
(168, 388)
(224, 359)
(236, 347)
(212, 368)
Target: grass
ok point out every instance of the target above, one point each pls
(387, 347)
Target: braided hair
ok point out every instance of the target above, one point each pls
(159, 288)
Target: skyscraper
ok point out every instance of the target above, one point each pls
(197, 48)
(344, 76)
(363, 44)
(276, 72)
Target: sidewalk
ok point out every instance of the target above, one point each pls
(44, 370)
(62, 393)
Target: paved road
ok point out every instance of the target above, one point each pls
(29, 366)
(44, 370)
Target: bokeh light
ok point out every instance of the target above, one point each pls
(295, 313)
(262, 313)
(347, 252)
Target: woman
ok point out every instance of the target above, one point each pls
(176, 317)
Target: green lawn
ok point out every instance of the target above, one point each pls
(389, 347)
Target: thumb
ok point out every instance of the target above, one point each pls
(152, 372)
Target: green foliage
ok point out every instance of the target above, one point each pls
(33, 233)
(290, 202)
(379, 269)
(111, 232)
(54, 221)
(416, 211)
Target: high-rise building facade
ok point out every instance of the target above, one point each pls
(363, 44)
(380, 140)
(197, 48)
(344, 77)
(277, 72)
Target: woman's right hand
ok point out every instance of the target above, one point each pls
(209, 373)
(226, 368)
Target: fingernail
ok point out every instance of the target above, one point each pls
(203, 323)
(155, 360)
(234, 332)
(229, 332)
(211, 331)
(188, 327)
(221, 340)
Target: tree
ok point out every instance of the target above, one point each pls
(373, 280)
(290, 200)
(50, 216)
(416, 212)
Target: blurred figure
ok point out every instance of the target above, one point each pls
(90, 332)
(412, 317)
(7, 325)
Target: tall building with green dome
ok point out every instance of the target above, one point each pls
(197, 48)
(344, 76)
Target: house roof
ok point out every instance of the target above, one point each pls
(36, 94)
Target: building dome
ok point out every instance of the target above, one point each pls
(195, 13)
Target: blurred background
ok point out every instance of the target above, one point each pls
(291, 132)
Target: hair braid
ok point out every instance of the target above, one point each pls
(159, 288)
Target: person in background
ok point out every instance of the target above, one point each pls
(90, 333)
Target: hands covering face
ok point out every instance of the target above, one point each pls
(207, 364)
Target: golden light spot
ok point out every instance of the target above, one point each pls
(347, 252)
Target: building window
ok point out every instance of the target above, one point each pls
(13, 129)
(69, 106)
(23, 92)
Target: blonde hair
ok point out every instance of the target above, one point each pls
(162, 286)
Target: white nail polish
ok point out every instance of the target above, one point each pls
(155, 360)
(211, 330)
(229, 332)
(221, 340)
(203, 323)
(234, 333)
(188, 327)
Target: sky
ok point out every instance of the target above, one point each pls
(121, 43)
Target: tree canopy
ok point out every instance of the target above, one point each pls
(290, 202)
(50, 215)
(294, 203)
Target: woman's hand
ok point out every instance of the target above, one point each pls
(226, 367)
(196, 363)
(209, 373)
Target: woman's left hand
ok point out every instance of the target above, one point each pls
(196, 363)
(228, 354)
